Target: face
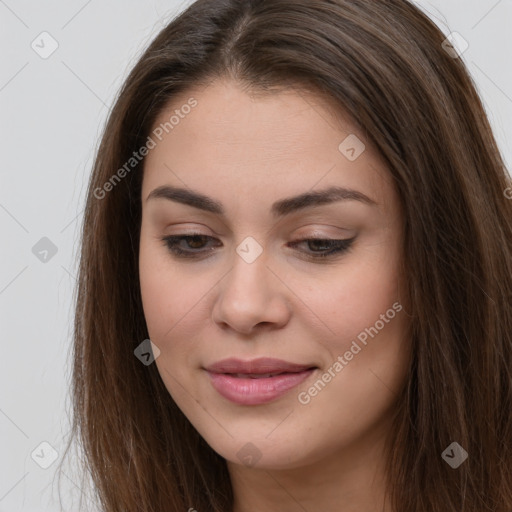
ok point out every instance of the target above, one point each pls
(279, 254)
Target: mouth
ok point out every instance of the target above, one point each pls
(257, 381)
(256, 375)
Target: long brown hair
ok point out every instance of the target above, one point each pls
(383, 62)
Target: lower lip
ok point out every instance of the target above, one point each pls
(256, 391)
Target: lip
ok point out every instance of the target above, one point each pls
(227, 378)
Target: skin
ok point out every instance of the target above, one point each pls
(247, 152)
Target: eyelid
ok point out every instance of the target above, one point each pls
(339, 234)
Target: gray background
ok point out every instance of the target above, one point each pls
(52, 113)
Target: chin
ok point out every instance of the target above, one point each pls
(255, 450)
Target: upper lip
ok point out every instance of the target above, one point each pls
(254, 366)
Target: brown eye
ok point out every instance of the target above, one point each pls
(192, 247)
(195, 245)
(325, 247)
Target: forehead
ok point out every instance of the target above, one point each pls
(263, 146)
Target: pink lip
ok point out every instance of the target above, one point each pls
(254, 391)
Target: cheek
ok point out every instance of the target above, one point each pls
(164, 296)
(168, 301)
(352, 299)
(365, 354)
(174, 300)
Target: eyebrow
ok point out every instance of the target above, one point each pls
(279, 208)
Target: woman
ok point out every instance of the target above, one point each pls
(296, 272)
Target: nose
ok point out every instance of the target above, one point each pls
(250, 297)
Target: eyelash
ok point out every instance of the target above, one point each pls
(340, 246)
